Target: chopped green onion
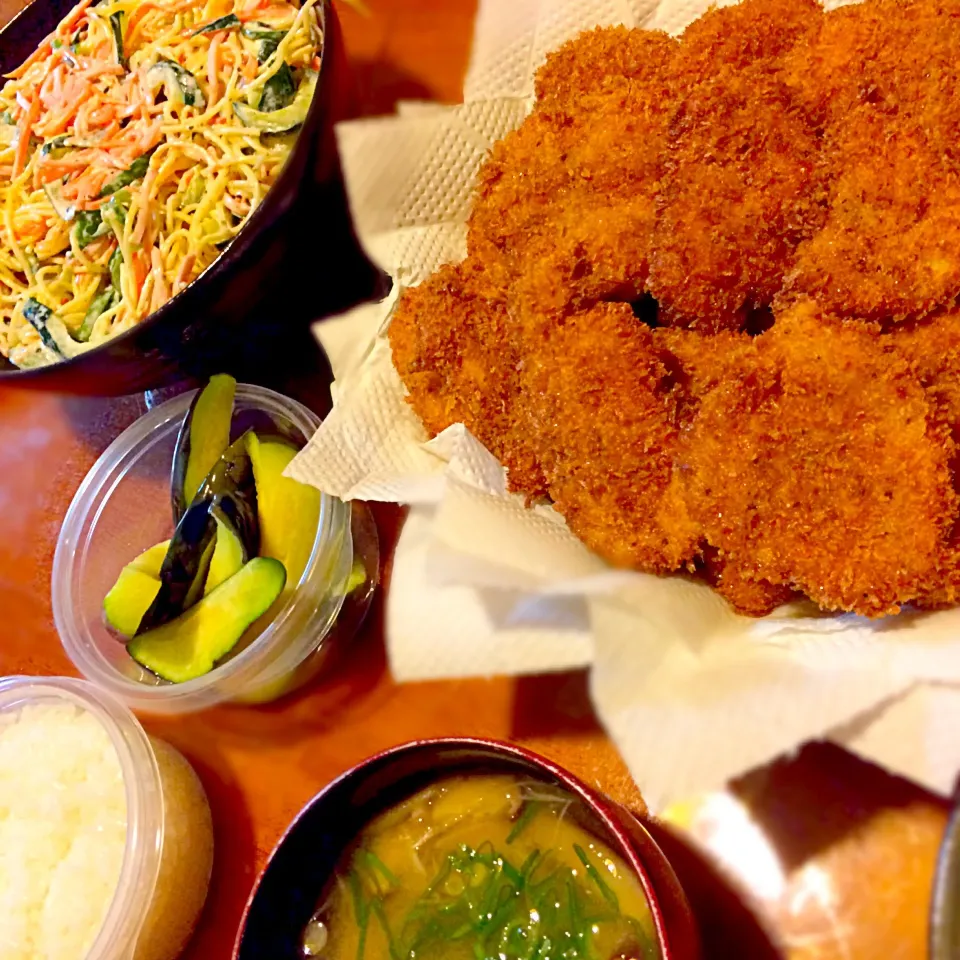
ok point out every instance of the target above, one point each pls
(594, 875)
(530, 808)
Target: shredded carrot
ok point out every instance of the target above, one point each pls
(23, 143)
(186, 267)
(139, 268)
(87, 122)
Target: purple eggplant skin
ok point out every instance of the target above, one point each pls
(184, 569)
(231, 488)
(229, 493)
(267, 427)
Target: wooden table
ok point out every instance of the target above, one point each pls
(835, 856)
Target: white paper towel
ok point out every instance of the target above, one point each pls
(692, 693)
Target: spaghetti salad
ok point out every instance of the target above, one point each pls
(134, 144)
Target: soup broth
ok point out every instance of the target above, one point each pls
(482, 867)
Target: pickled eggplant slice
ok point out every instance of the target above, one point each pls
(151, 559)
(228, 555)
(139, 581)
(230, 486)
(135, 590)
(288, 510)
(190, 645)
(129, 599)
(183, 572)
(267, 427)
(204, 436)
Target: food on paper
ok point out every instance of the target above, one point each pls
(482, 865)
(707, 305)
(134, 144)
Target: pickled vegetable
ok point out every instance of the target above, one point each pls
(204, 436)
(190, 645)
(288, 511)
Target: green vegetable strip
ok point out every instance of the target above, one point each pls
(269, 39)
(375, 863)
(278, 91)
(594, 875)
(100, 304)
(116, 25)
(136, 171)
(377, 907)
(361, 911)
(228, 22)
(37, 315)
(116, 260)
(530, 809)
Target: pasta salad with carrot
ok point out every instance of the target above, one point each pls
(134, 144)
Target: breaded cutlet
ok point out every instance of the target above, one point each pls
(604, 412)
(881, 78)
(932, 346)
(739, 189)
(817, 463)
(563, 211)
(458, 356)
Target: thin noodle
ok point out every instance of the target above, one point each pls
(204, 174)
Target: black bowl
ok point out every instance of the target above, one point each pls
(287, 892)
(296, 259)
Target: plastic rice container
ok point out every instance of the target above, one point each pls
(106, 834)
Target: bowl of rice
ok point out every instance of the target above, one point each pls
(106, 841)
(171, 201)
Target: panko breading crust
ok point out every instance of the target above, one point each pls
(783, 419)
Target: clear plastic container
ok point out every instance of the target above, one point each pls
(167, 860)
(123, 507)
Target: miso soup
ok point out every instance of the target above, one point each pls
(482, 867)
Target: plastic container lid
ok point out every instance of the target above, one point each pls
(123, 507)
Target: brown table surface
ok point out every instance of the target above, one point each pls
(835, 856)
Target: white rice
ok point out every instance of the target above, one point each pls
(63, 827)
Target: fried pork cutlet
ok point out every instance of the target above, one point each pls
(563, 212)
(816, 463)
(700, 362)
(458, 356)
(881, 78)
(605, 413)
(739, 189)
(932, 346)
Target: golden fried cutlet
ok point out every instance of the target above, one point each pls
(932, 346)
(564, 207)
(604, 410)
(739, 189)
(599, 63)
(457, 355)
(699, 363)
(740, 588)
(816, 464)
(881, 77)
